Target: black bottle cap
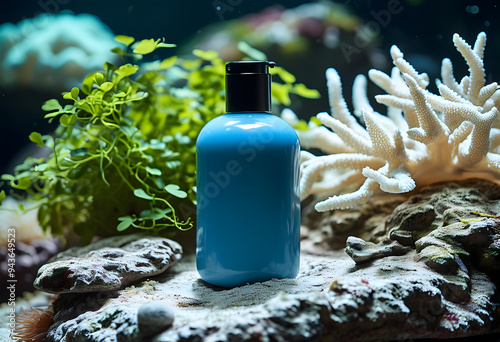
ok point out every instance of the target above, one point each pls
(248, 86)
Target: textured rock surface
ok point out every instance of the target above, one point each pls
(108, 264)
(331, 299)
(452, 227)
(330, 230)
(361, 251)
(443, 286)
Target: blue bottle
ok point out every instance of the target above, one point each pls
(248, 205)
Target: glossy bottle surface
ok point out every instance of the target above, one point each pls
(248, 205)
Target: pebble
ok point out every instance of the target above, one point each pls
(154, 317)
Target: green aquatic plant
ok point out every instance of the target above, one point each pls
(123, 154)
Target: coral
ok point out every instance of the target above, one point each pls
(425, 137)
(53, 50)
(33, 324)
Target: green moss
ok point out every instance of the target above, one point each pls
(123, 155)
(491, 252)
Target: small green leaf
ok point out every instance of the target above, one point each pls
(67, 120)
(206, 55)
(21, 207)
(120, 94)
(129, 130)
(85, 107)
(37, 139)
(157, 214)
(159, 182)
(74, 93)
(79, 152)
(109, 66)
(51, 105)
(126, 221)
(145, 46)
(106, 86)
(167, 63)
(182, 139)
(153, 171)
(87, 83)
(302, 90)
(126, 40)
(156, 144)
(283, 74)
(280, 93)
(142, 194)
(173, 164)
(316, 121)
(301, 126)
(174, 190)
(118, 51)
(2, 196)
(23, 183)
(7, 177)
(127, 70)
(166, 45)
(98, 78)
(251, 52)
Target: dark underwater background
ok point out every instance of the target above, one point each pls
(422, 29)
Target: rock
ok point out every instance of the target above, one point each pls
(361, 251)
(446, 223)
(329, 301)
(331, 229)
(488, 257)
(409, 218)
(154, 317)
(442, 286)
(441, 205)
(108, 264)
(117, 324)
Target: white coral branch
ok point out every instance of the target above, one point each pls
(348, 135)
(406, 68)
(475, 62)
(448, 78)
(400, 180)
(430, 126)
(313, 169)
(426, 137)
(338, 105)
(346, 201)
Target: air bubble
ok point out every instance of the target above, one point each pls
(472, 9)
